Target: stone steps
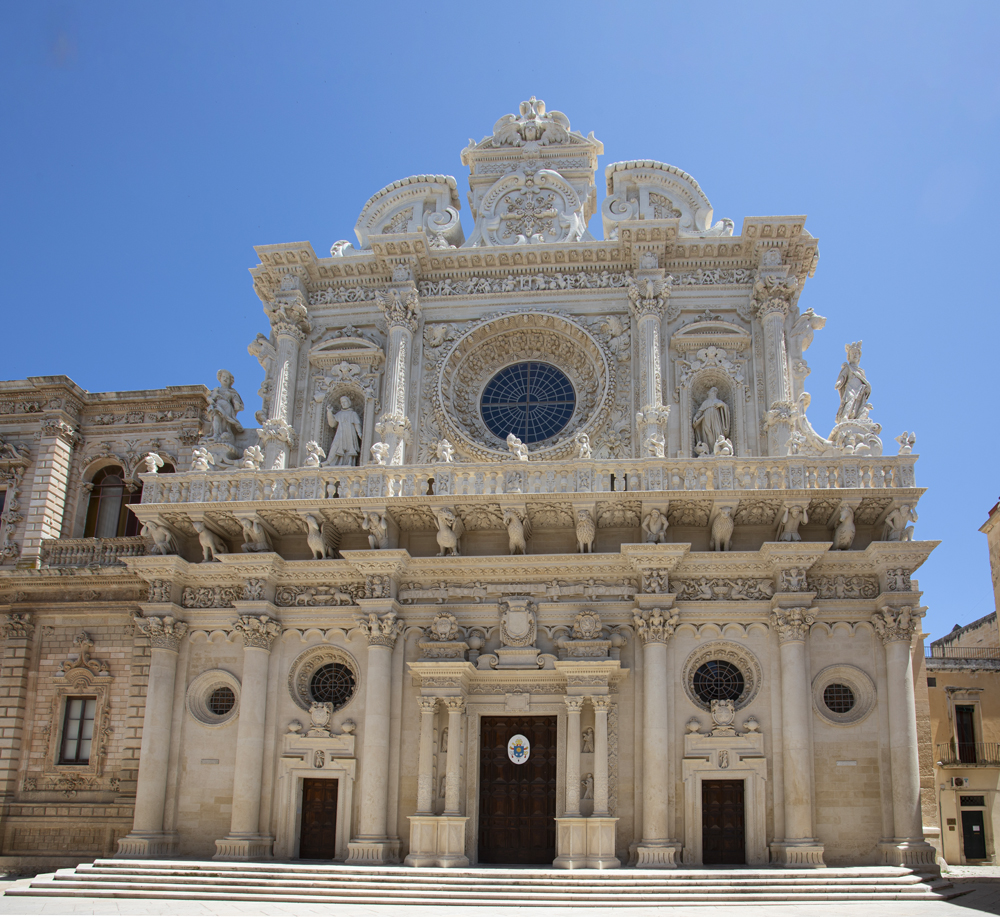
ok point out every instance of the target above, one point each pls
(335, 884)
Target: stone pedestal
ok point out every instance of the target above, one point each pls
(586, 843)
(437, 840)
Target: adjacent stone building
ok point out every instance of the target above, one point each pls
(534, 557)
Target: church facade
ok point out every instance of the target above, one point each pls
(534, 557)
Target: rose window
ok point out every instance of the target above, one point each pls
(332, 683)
(534, 401)
(838, 698)
(718, 680)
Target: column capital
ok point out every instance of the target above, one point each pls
(164, 633)
(288, 330)
(399, 310)
(772, 293)
(601, 702)
(648, 297)
(896, 625)
(792, 624)
(653, 626)
(258, 631)
(16, 625)
(574, 702)
(454, 704)
(55, 427)
(427, 704)
(381, 631)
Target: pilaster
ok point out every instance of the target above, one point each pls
(47, 502)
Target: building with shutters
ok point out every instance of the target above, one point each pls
(534, 556)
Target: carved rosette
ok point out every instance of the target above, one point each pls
(258, 631)
(164, 633)
(653, 626)
(381, 631)
(792, 624)
(17, 626)
(896, 625)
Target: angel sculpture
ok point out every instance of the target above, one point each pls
(211, 544)
(315, 454)
(253, 458)
(153, 463)
(518, 530)
(723, 446)
(450, 531)
(583, 444)
(380, 452)
(321, 541)
(444, 451)
(519, 449)
(906, 442)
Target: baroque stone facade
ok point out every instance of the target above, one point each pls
(524, 502)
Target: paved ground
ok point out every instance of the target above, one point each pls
(982, 885)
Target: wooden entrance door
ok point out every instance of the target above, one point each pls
(318, 840)
(517, 802)
(974, 835)
(723, 831)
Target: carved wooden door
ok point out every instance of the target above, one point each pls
(723, 831)
(318, 840)
(517, 802)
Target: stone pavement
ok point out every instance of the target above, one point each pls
(983, 897)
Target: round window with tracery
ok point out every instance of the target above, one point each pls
(534, 401)
(332, 683)
(718, 680)
(221, 701)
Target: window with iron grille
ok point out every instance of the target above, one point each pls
(78, 730)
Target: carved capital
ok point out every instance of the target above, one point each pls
(896, 625)
(601, 702)
(647, 296)
(164, 633)
(53, 426)
(277, 429)
(653, 626)
(774, 306)
(428, 705)
(258, 631)
(772, 294)
(574, 703)
(286, 329)
(17, 625)
(381, 631)
(792, 624)
(400, 309)
(454, 704)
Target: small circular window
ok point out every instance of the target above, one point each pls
(221, 701)
(718, 680)
(838, 698)
(332, 683)
(534, 401)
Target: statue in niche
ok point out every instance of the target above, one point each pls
(223, 405)
(346, 423)
(587, 785)
(588, 741)
(444, 739)
(852, 385)
(711, 420)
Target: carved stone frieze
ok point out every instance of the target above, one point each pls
(312, 596)
(211, 596)
(718, 589)
(844, 586)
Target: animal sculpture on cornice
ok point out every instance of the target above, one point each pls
(843, 534)
(533, 126)
(320, 540)
(211, 544)
(585, 532)
(449, 533)
(722, 529)
(518, 530)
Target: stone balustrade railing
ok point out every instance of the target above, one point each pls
(579, 476)
(91, 552)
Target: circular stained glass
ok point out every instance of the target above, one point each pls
(221, 701)
(718, 680)
(839, 698)
(332, 683)
(534, 401)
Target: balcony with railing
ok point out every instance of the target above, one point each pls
(969, 754)
(91, 552)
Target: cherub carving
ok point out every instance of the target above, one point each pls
(201, 458)
(253, 458)
(518, 448)
(906, 442)
(723, 446)
(444, 451)
(315, 454)
(583, 445)
(380, 452)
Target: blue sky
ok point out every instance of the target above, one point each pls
(149, 147)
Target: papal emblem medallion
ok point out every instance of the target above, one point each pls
(518, 749)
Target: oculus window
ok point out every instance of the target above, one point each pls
(718, 680)
(534, 401)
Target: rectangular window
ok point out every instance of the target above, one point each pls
(965, 730)
(972, 800)
(932, 682)
(78, 730)
(3, 499)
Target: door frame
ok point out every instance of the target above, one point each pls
(753, 773)
(987, 841)
(289, 821)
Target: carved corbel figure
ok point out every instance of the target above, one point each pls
(586, 531)
(211, 544)
(843, 533)
(518, 530)
(722, 529)
(654, 527)
(450, 531)
(322, 541)
(256, 538)
(163, 539)
(897, 526)
(377, 527)
(788, 527)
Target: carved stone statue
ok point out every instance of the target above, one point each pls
(654, 527)
(518, 448)
(255, 537)
(723, 446)
(843, 534)
(852, 385)
(444, 451)
(163, 539)
(380, 452)
(450, 531)
(711, 420)
(211, 544)
(253, 458)
(722, 529)
(201, 458)
(587, 785)
(588, 741)
(223, 405)
(153, 463)
(377, 527)
(346, 445)
(907, 441)
(583, 444)
(802, 331)
(897, 526)
(788, 527)
(314, 454)
(320, 539)
(585, 532)
(518, 530)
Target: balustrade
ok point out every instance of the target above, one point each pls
(91, 552)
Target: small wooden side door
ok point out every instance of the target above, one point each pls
(318, 839)
(723, 831)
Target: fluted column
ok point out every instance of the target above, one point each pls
(401, 308)
(147, 837)
(245, 840)
(771, 302)
(425, 756)
(277, 433)
(648, 296)
(654, 628)
(799, 847)
(602, 704)
(896, 627)
(574, 741)
(372, 845)
(452, 783)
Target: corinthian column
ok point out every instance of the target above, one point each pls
(648, 296)
(372, 845)
(290, 327)
(657, 849)
(602, 703)
(896, 627)
(799, 847)
(771, 296)
(401, 308)
(245, 840)
(452, 785)
(425, 757)
(147, 838)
